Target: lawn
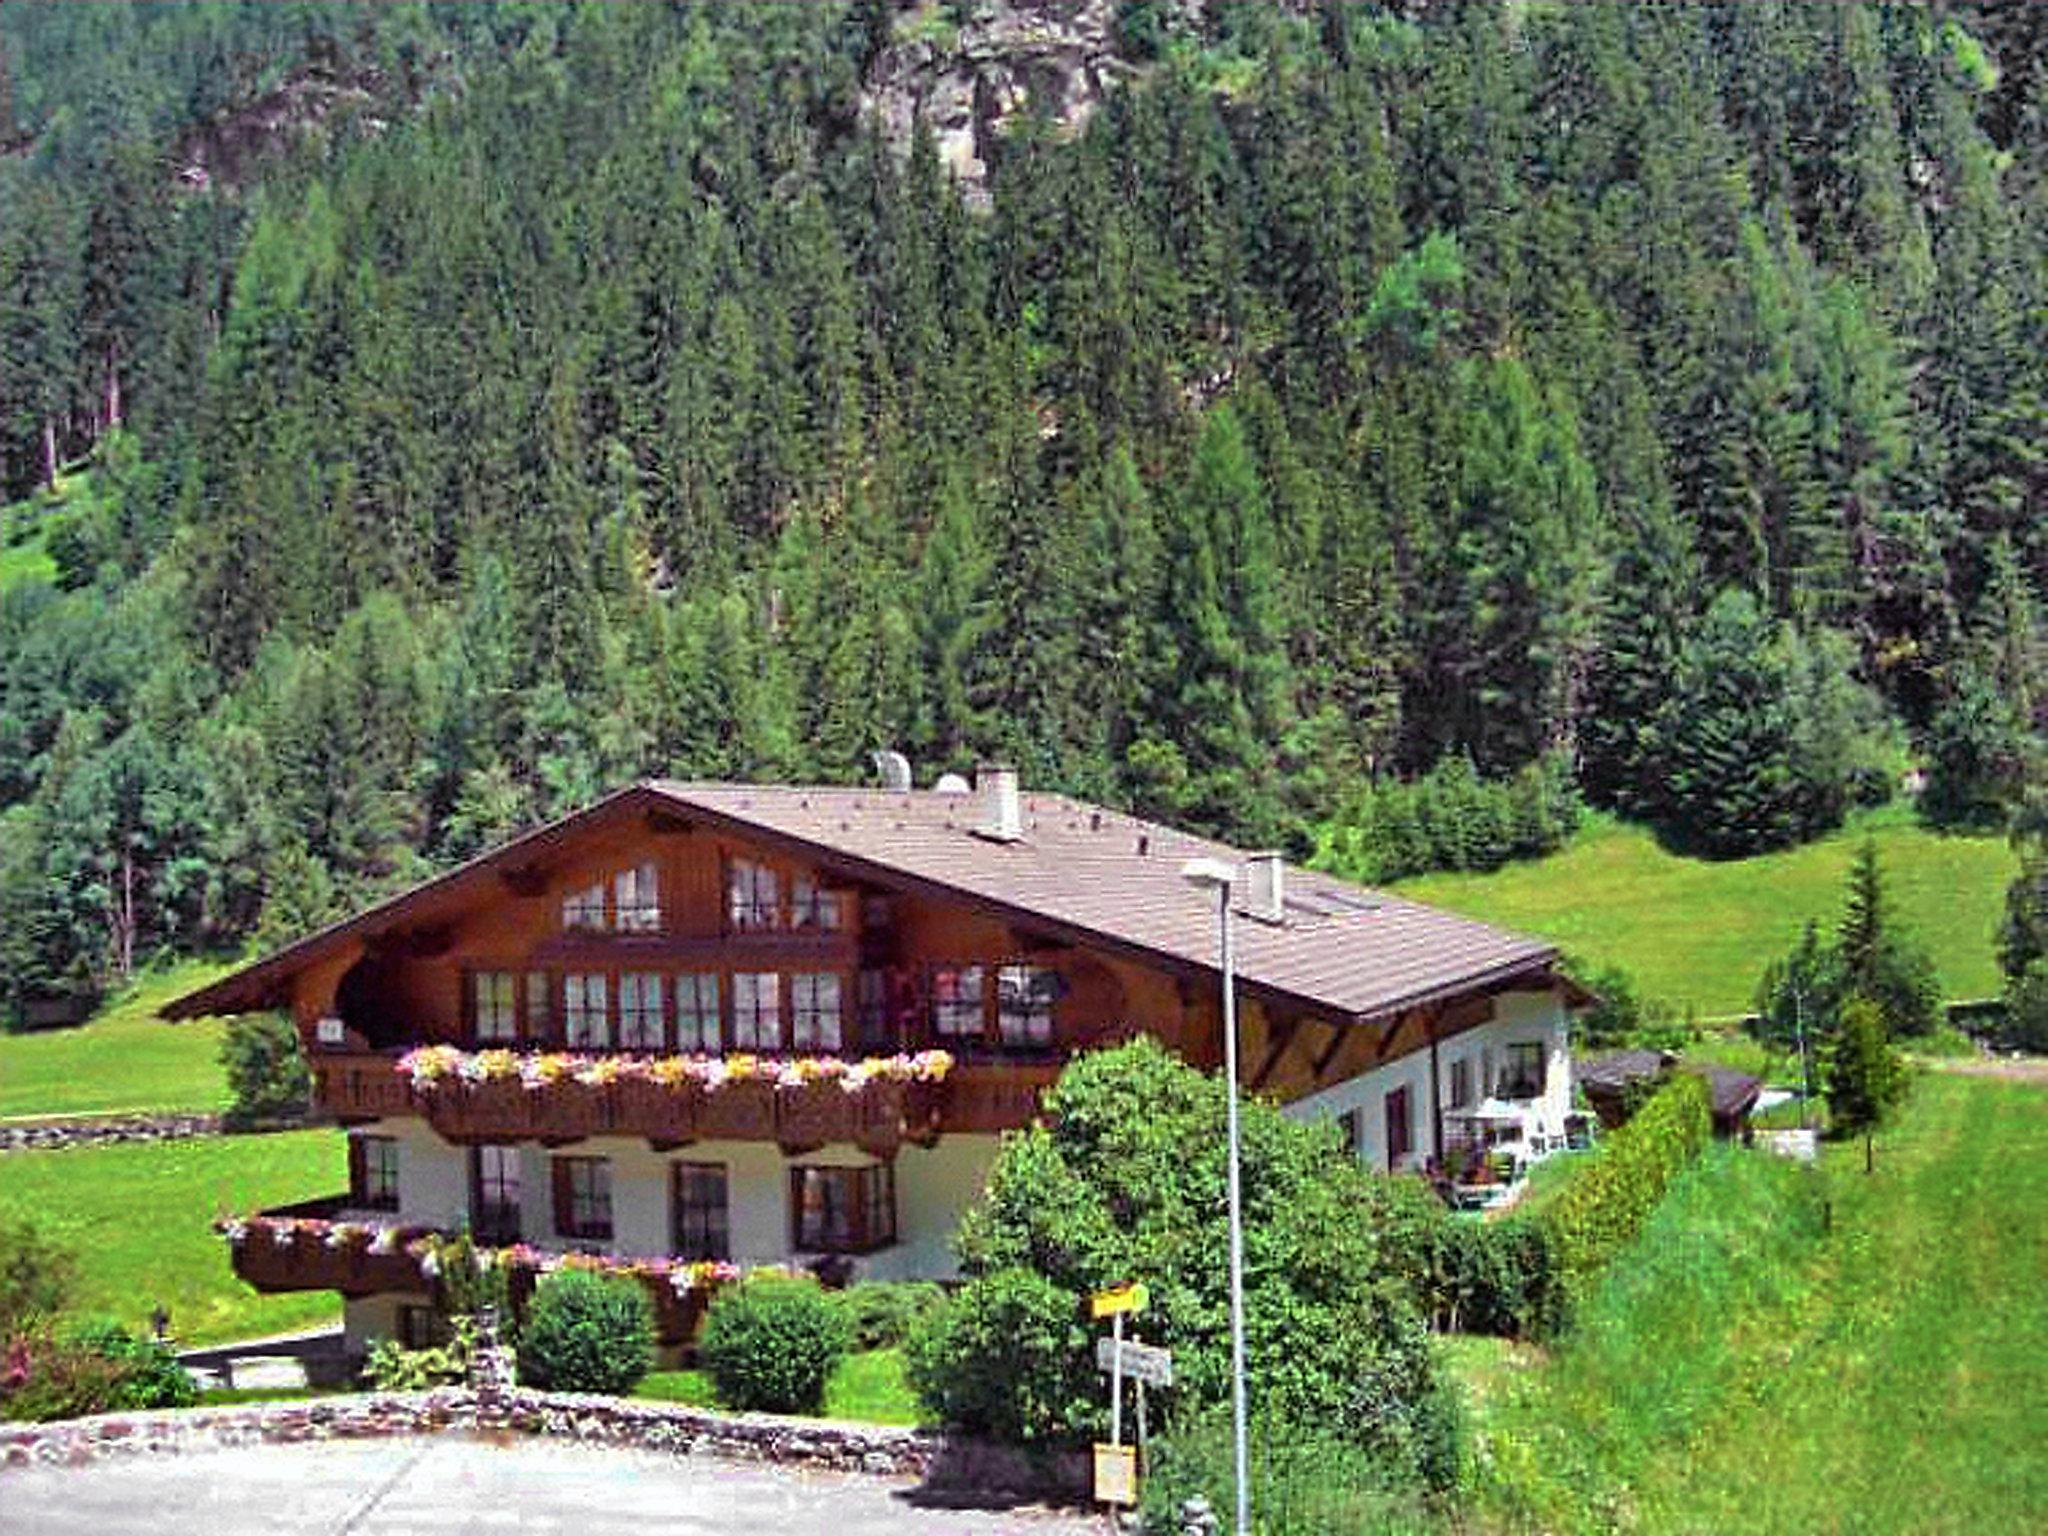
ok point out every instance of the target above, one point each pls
(867, 1388)
(139, 1218)
(124, 1058)
(1697, 933)
(1785, 1353)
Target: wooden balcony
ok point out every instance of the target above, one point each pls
(974, 1098)
(318, 1246)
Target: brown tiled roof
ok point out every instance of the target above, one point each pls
(1079, 872)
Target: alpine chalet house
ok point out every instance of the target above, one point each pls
(706, 1025)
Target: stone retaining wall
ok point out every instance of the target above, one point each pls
(612, 1421)
(97, 1130)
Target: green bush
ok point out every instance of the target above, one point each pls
(391, 1367)
(1124, 1179)
(1305, 1481)
(95, 1366)
(267, 1072)
(880, 1314)
(1606, 1201)
(1008, 1356)
(772, 1343)
(1494, 1277)
(35, 1278)
(149, 1374)
(587, 1332)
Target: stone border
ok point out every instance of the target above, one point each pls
(98, 1130)
(626, 1423)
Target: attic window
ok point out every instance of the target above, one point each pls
(753, 896)
(636, 899)
(585, 908)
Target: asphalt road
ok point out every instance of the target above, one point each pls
(452, 1486)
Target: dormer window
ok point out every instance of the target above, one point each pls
(753, 896)
(584, 909)
(812, 906)
(636, 899)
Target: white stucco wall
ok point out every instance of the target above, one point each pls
(1537, 1017)
(934, 1187)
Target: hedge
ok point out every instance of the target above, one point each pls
(1522, 1276)
(1604, 1205)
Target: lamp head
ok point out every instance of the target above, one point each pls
(1209, 874)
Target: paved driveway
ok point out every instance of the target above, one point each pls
(451, 1485)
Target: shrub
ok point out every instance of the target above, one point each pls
(1606, 1201)
(35, 1277)
(391, 1367)
(95, 1366)
(1124, 1179)
(2024, 1026)
(1008, 1356)
(587, 1332)
(772, 1343)
(1494, 1277)
(267, 1072)
(880, 1314)
(1305, 1481)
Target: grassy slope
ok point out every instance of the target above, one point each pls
(125, 1058)
(1698, 933)
(1741, 1371)
(139, 1218)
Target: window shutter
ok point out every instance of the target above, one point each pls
(565, 1204)
(358, 1176)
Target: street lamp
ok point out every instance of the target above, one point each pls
(1219, 876)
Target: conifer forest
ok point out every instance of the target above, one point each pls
(1375, 430)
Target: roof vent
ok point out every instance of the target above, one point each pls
(1264, 891)
(894, 768)
(1002, 815)
(952, 784)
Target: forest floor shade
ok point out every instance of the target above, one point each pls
(139, 1219)
(1858, 1353)
(124, 1059)
(1697, 933)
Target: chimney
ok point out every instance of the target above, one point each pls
(1002, 814)
(1263, 889)
(894, 768)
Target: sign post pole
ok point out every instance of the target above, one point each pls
(1116, 1382)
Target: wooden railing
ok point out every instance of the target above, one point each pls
(975, 1098)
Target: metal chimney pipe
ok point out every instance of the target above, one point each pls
(1264, 889)
(1002, 809)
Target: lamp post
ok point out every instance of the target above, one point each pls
(1216, 875)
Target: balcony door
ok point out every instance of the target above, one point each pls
(1400, 1127)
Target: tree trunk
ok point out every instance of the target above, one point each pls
(50, 452)
(1869, 1153)
(113, 391)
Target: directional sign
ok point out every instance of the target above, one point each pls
(1141, 1362)
(1120, 1298)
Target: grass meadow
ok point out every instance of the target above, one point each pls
(139, 1219)
(1697, 933)
(1798, 1351)
(124, 1059)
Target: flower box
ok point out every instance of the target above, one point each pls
(660, 1111)
(817, 1113)
(496, 1109)
(742, 1110)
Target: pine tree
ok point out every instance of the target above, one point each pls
(1866, 1078)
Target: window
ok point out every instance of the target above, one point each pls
(636, 899)
(1024, 998)
(420, 1327)
(1521, 1076)
(494, 1194)
(640, 1021)
(814, 1012)
(494, 1006)
(584, 1017)
(812, 906)
(1461, 1082)
(753, 895)
(877, 1019)
(697, 1013)
(373, 1172)
(540, 1006)
(843, 1210)
(584, 908)
(956, 1002)
(699, 1220)
(757, 1011)
(1400, 1127)
(1351, 1125)
(583, 1197)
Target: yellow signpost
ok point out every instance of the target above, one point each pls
(1119, 1299)
(1116, 1464)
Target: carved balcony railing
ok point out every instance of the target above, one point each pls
(322, 1245)
(799, 1113)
